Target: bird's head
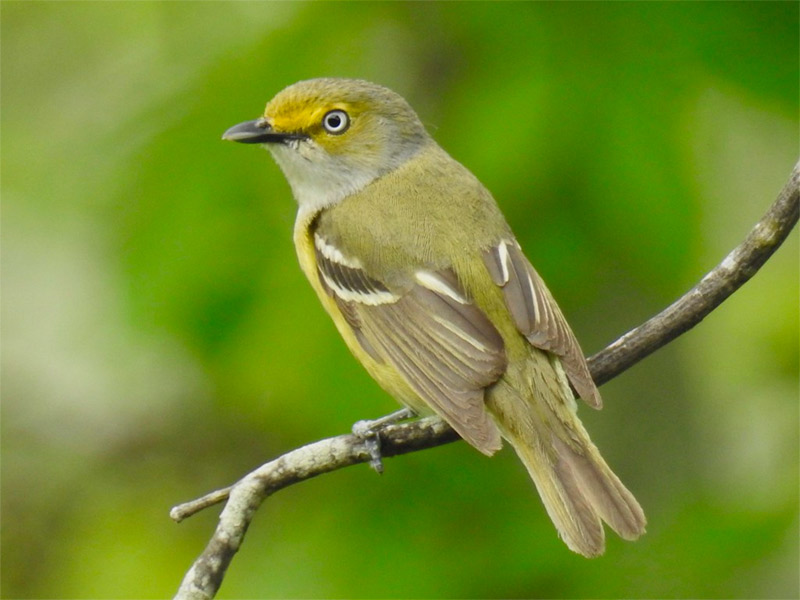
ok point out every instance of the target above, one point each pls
(331, 137)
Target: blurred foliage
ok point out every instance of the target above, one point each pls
(159, 339)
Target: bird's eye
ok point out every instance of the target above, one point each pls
(336, 122)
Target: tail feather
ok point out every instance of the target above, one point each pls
(578, 489)
(568, 507)
(609, 498)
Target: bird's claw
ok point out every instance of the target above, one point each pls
(372, 442)
(369, 432)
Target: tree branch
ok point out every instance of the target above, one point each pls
(724, 279)
(205, 576)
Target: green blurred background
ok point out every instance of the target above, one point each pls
(159, 339)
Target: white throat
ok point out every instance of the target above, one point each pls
(316, 179)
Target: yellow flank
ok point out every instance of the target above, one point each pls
(385, 374)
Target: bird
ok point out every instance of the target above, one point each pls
(417, 266)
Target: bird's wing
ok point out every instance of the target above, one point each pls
(441, 343)
(537, 316)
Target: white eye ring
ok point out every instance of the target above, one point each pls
(336, 121)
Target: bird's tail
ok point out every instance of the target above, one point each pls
(578, 488)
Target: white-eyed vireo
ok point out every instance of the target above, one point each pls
(425, 281)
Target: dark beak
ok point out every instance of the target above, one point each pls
(257, 132)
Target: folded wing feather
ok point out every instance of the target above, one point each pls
(443, 345)
(537, 316)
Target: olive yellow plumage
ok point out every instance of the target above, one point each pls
(413, 260)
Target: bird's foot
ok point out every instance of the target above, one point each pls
(369, 431)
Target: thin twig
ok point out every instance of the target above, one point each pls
(724, 279)
(206, 574)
